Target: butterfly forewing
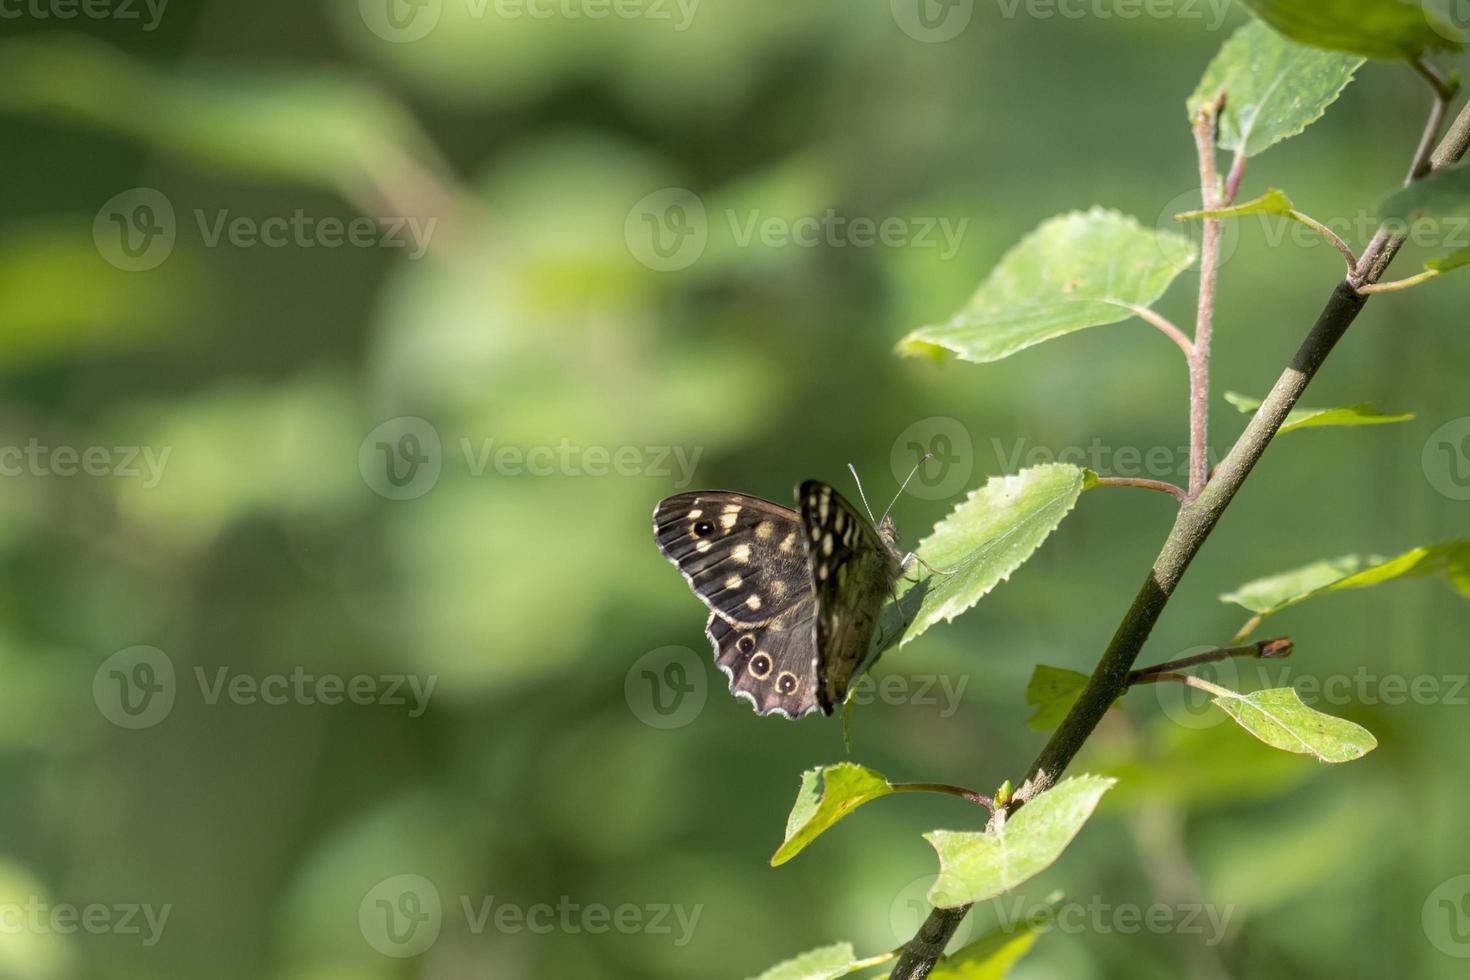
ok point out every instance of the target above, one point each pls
(852, 571)
(742, 555)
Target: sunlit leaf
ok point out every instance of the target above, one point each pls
(1373, 28)
(1450, 560)
(1271, 202)
(982, 541)
(1278, 717)
(827, 795)
(823, 963)
(1052, 691)
(992, 955)
(1364, 413)
(1274, 88)
(976, 866)
(1076, 271)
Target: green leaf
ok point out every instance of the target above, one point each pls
(1385, 29)
(1264, 596)
(1075, 271)
(1444, 193)
(982, 541)
(1052, 691)
(992, 955)
(823, 963)
(1271, 202)
(976, 866)
(827, 795)
(1274, 88)
(1451, 262)
(1364, 413)
(1278, 717)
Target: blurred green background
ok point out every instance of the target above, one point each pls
(270, 539)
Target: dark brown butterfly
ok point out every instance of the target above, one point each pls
(794, 596)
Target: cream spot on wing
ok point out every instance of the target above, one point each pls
(727, 519)
(731, 509)
(702, 546)
(778, 587)
(827, 545)
(839, 519)
(734, 582)
(741, 554)
(816, 532)
(764, 530)
(753, 602)
(696, 512)
(788, 542)
(821, 573)
(824, 507)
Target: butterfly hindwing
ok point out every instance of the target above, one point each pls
(852, 570)
(742, 555)
(773, 666)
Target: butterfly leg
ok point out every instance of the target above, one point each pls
(912, 558)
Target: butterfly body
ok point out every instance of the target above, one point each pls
(794, 596)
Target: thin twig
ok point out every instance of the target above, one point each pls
(1192, 528)
(1189, 680)
(1199, 361)
(1232, 182)
(1398, 284)
(1172, 332)
(1264, 649)
(1444, 91)
(1131, 481)
(1330, 235)
(965, 794)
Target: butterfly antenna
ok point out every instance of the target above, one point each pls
(853, 470)
(922, 460)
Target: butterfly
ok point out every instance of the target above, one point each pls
(794, 596)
